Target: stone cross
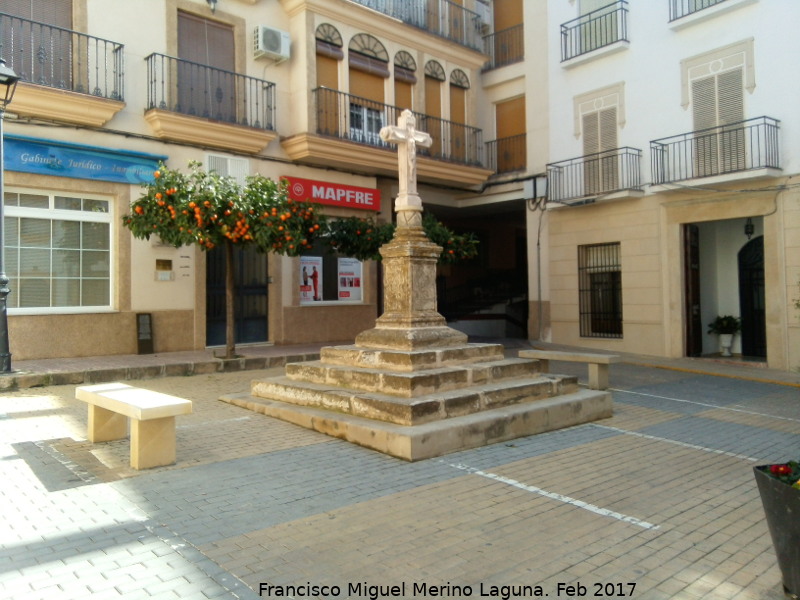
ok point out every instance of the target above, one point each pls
(405, 135)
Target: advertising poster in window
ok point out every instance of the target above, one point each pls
(310, 279)
(349, 280)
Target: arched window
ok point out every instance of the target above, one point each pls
(459, 79)
(329, 53)
(368, 64)
(404, 79)
(329, 41)
(434, 78)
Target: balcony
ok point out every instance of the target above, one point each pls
(65, 75)
(611, 174)
(506, 155)
(683, 8)
(346, 133)
(504, 47)
(443, 18)
(750, 145)
(598, 29)
(198, 104)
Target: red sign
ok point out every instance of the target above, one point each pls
(333, 194)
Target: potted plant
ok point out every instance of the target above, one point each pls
(726, 327)
(779, 487)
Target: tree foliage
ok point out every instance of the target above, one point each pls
(207, 209)
(362, 238)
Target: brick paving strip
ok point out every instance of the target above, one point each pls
(254, 501)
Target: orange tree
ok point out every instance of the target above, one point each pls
(203, 208)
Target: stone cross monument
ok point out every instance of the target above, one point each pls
(408, 203)
(410, 320)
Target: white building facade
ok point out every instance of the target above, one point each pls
(673, 176)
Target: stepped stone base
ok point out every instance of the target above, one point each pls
(423, 403)
(435, 438)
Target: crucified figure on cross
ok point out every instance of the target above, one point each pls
(405, 135)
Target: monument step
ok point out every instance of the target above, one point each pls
(445, 435)
(411, 384)
(397, 360)
(414, 411)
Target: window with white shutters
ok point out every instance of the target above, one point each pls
(718, 111)
(600, 172)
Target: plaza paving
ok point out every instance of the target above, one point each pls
(657, 502)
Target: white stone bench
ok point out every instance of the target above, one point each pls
(598, 363)
(152, 418)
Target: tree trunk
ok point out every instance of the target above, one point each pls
(230, 289)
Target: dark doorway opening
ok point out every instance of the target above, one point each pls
(691, 276)
(250, 298)
(751, 298)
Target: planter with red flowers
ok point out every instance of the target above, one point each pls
(779, 487)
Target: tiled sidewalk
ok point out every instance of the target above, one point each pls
(657, 502)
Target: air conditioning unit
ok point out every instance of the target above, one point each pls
(271, 43)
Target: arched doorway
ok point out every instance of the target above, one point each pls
(751, 298)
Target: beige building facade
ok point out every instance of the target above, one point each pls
(625, 194)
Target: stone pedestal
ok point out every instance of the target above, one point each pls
(410, 320)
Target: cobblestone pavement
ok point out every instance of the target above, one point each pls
(657, 502)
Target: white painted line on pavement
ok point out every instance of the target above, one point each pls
(559, 497)
(676, 442)
(714, 406)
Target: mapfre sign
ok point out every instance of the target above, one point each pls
(333, 194)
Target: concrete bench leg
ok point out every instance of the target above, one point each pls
(544, 365)
(105, 425)
(152, 443)
(598, 376)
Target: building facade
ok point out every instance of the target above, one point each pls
(296, 89)
(672, 177)
(629, 168)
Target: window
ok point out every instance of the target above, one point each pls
(600, 290)
(718, 112)
(58, 252)
(365, 124)
(599, 137)
(327, 277)
(598, 116)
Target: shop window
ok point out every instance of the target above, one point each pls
(600, 290)
(328, 277)
(57, 252)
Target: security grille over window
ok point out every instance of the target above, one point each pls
(600, 290)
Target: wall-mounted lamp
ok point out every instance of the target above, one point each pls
(749, 228)
(212, 4)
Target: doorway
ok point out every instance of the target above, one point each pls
(751, 298)
(250, 297)
(691, 275)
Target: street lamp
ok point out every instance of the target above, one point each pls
(8, 84)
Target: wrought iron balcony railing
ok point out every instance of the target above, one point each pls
(198, 90)
(357, 119)
(594, 174)
(62, 58)
(683, 8)
(742, 146)
(505, 155)
(444, 18)
(504, 47)
(594, 30)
